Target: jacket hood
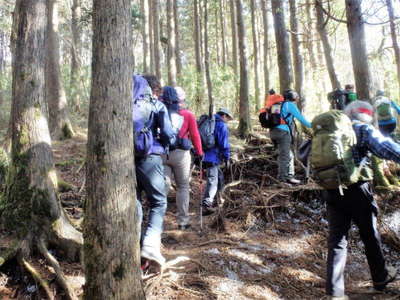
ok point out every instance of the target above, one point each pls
(141, 88)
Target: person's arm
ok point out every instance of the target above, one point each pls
(222, 136)
(395, 106)
(294, 111)
(381, 146)
(194, 133)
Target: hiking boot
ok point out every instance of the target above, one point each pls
(184, 227)
(391, 276)
(344, 297)
(293, 181)
(208, 211)
(153, 254)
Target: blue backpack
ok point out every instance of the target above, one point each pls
(143, 119)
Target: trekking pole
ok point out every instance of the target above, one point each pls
(201, 195)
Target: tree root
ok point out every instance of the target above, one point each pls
(61, 280)
(36, 276)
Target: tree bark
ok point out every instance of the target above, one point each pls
(244, 114)
(178, 59)
(223, 32)
(156, 38)
(282, 46)
(111, 251)
(258, 101)
(59, 123)
(30, 207)
(264, 8)
(199, 61)
(151, 36)
(395, 43)
(171, 61)
(297, 57)
(235, 57)
(144, 6)
(207, 56)
(321, 28)
(355, 29)
(75, 81)
(310, 42)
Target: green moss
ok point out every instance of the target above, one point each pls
(64, 186)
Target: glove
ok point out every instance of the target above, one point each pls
(197, 159)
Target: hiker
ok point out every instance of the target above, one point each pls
(149, 165)
(349, 93)
(337, 99)
(177, 162)
(386, 113)
(272, 98)
(356, 202)
(214, 157)
(282, 136)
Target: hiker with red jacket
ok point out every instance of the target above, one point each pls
(177, 161)
(356, 204)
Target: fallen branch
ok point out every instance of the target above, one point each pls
(185, 289)
(217, 241)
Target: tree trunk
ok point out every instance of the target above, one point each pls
(75, 81)
(178, 59)
(258, 101)
(207, 56)
(223, 30)
(282, 46)
(171, 62)
(111, 251)
(30, 207)
(151, 36)
(310, 42)
(59, 123)
(235, 57)
(156, 38)
(199, 64)
(144, 6)
(355, 29)
(265, 18)
(244, 114)
(393, 33)
(297, 57)
(321, 27)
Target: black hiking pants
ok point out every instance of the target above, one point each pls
(357, 205)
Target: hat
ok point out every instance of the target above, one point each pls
(290, 95)
(360, 111)
(225, 111)
(181, 94)
(271, 92)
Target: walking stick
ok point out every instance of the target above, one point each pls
(201, 195)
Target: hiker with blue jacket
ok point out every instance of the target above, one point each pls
(356, 203)
(149, 165)
(214, 157)
(282, 136)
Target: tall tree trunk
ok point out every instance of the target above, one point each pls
(207, 56)
(310, 42)
(258, 101)
(217, 36)
(282, 46)
(223, 30)
(75, 81)
(144, 6)
(395, 43)
(171, 62)
(297, 57)
(264, 8)
(111, 252)
(156, 37)
(244, 114)
(151, 36)
(178, 59)
(355, 29)
(30, 207)
(321, 27)
(59, 123)
(235, 57)
(199, 64)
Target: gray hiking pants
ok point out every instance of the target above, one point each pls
(283, 140)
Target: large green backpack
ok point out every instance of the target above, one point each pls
(384, 110)
(331, 152)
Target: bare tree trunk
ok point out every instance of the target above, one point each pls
(171, 61)
(156, 37)
(151, 36)
(393, 33)
(355, 29)
(282, 46)
(244, 114)
(199, 64)
(310, 43)
(178, 59)
(30, 207)
(265, 18)
(111, 252)
(235, 57)
(207, 56)
(321, 27)
(258, 101)
(144, 6)
(75, 81)
(59, 123)
(297, 57)
(223, 30)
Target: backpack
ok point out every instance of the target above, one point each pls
(384, 110)
(332, 151)
(176, 122)
(206, 126)
(143, 118)
(272, 117)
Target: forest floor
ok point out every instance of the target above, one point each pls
(266, 242)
